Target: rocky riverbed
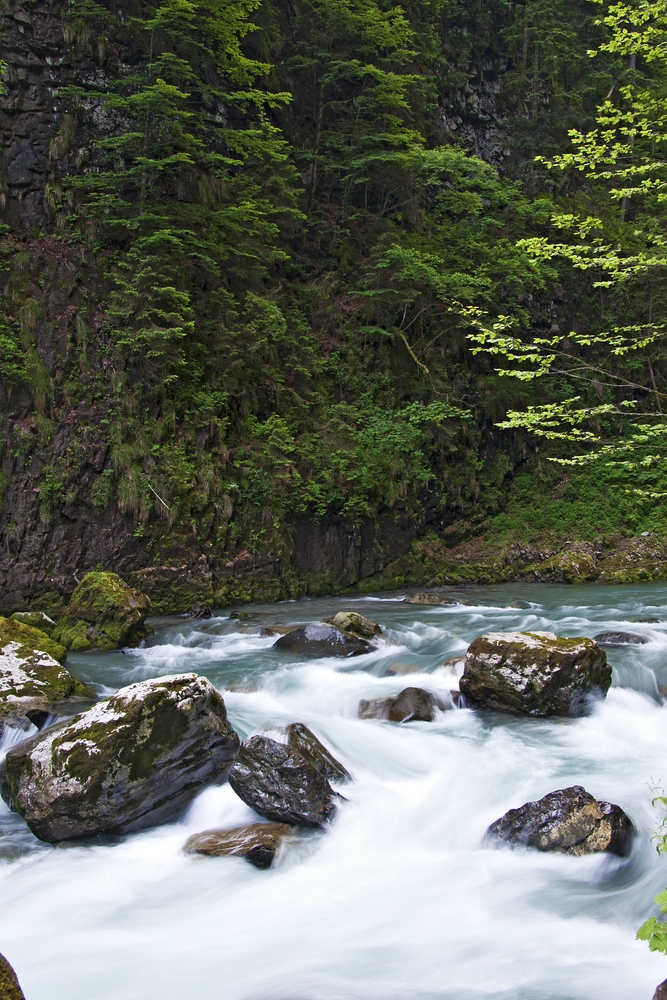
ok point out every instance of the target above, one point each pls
(420, 852)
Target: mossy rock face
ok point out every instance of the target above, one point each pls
(9, 984)
(36, 619)
(30, 638)
(128, 763)
(534, 673)
(31, 678)
(103, 613)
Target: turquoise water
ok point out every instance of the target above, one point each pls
(401, 897)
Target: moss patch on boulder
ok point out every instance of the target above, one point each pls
(36, 619)
(103, 613)
(30, 639)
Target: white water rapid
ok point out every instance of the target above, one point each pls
(401, 899)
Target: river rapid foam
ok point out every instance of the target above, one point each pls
(402, 897)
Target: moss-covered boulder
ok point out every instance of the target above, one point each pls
(33, 682)
(131, 762)
(9, 984)
(534, 673)
(351, 621)
(36, 619)
(103, 613)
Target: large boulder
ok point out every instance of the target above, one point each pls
(36, 619)
(413, 704)
(534, 673)
(281, 785)
(350, 621)
(131, 762)
(301, 739)
(568, 821)
(323, 640)
(9, 984)
(33, 683)
(258, 843)
(103, 613)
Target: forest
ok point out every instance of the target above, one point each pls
(280, 274)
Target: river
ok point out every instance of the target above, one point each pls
(401, 899)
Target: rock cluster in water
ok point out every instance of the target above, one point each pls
(534, 673)
(323, 640)
(568, 821)
(131, 762)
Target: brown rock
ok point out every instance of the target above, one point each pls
(258, 843)
(350, 621)
(9, 984)
(661, 991)
(430, 599)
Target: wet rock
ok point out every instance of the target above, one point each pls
(429, 599)
(9, 984)
(199, 610)
(534, 673)
(568, 821)
(31, 638)
(103, 613)
(620, 639)
(411, 705)
(32, 681)
(661, 991)
(323, 640)
(400, 668)
(268, 630)
(280, 784)
(128, 763)
(35, 619)
(350, 621)
(301, 739)
(258, 843)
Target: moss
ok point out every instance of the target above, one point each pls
(36, 619)
(103, 613)
(30, 639)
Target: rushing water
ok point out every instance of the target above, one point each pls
(401, 898)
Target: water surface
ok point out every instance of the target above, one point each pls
(402, 897)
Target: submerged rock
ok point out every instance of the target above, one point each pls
(350, 621)
(199, 610)
(300, 738)
(323, 640)
(534, 673)
(411, 705)
(568, 821)
(131, 762)
(36, 619)
(9, 984)
(258, 843)
(620, 639)
(280, 784)
(32, 681)
(103, 613)
(433, 599)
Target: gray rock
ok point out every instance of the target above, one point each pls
(128, 763)
(300, 738)
(568, 821)
(323, 640)
(258, 843)
(430, 599)
(661, 991)
(620, 639)
(350, 621)
(281, 785)
(534, 673)
(411, 705)
(199, 610)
